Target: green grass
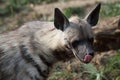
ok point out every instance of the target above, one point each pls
(79, 11)
(110, 9)
(107, 10)
(112, 69)
(12, 7)
(41, 1)
(62, 73)
(94, 73)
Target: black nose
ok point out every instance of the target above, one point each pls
(92, 54)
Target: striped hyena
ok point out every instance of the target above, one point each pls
(29, 52)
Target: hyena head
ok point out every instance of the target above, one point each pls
(78, 35)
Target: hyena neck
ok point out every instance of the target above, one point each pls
(52, 44)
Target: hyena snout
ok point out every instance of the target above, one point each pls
(85, 53)
(92, 54)
(88, 57)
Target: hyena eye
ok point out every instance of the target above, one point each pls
(91, 40)
(75, 43)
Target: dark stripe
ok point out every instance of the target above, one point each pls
(62, 55)
(45, 61)
(29, 59)
(36, 78)
(1, 52)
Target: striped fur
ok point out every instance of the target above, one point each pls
(29, 52)
(22, 57)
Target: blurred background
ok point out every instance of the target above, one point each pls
(105, 65)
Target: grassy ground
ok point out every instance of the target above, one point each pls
(74, 70)
(14, 13)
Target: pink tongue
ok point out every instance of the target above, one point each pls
(87, 58)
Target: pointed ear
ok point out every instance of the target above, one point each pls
(93, 17)
(60, 21)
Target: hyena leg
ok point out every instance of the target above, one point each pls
(28, 72)
(34, 67)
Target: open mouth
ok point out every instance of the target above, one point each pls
(86, 59)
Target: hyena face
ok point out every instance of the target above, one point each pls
(78, 35)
